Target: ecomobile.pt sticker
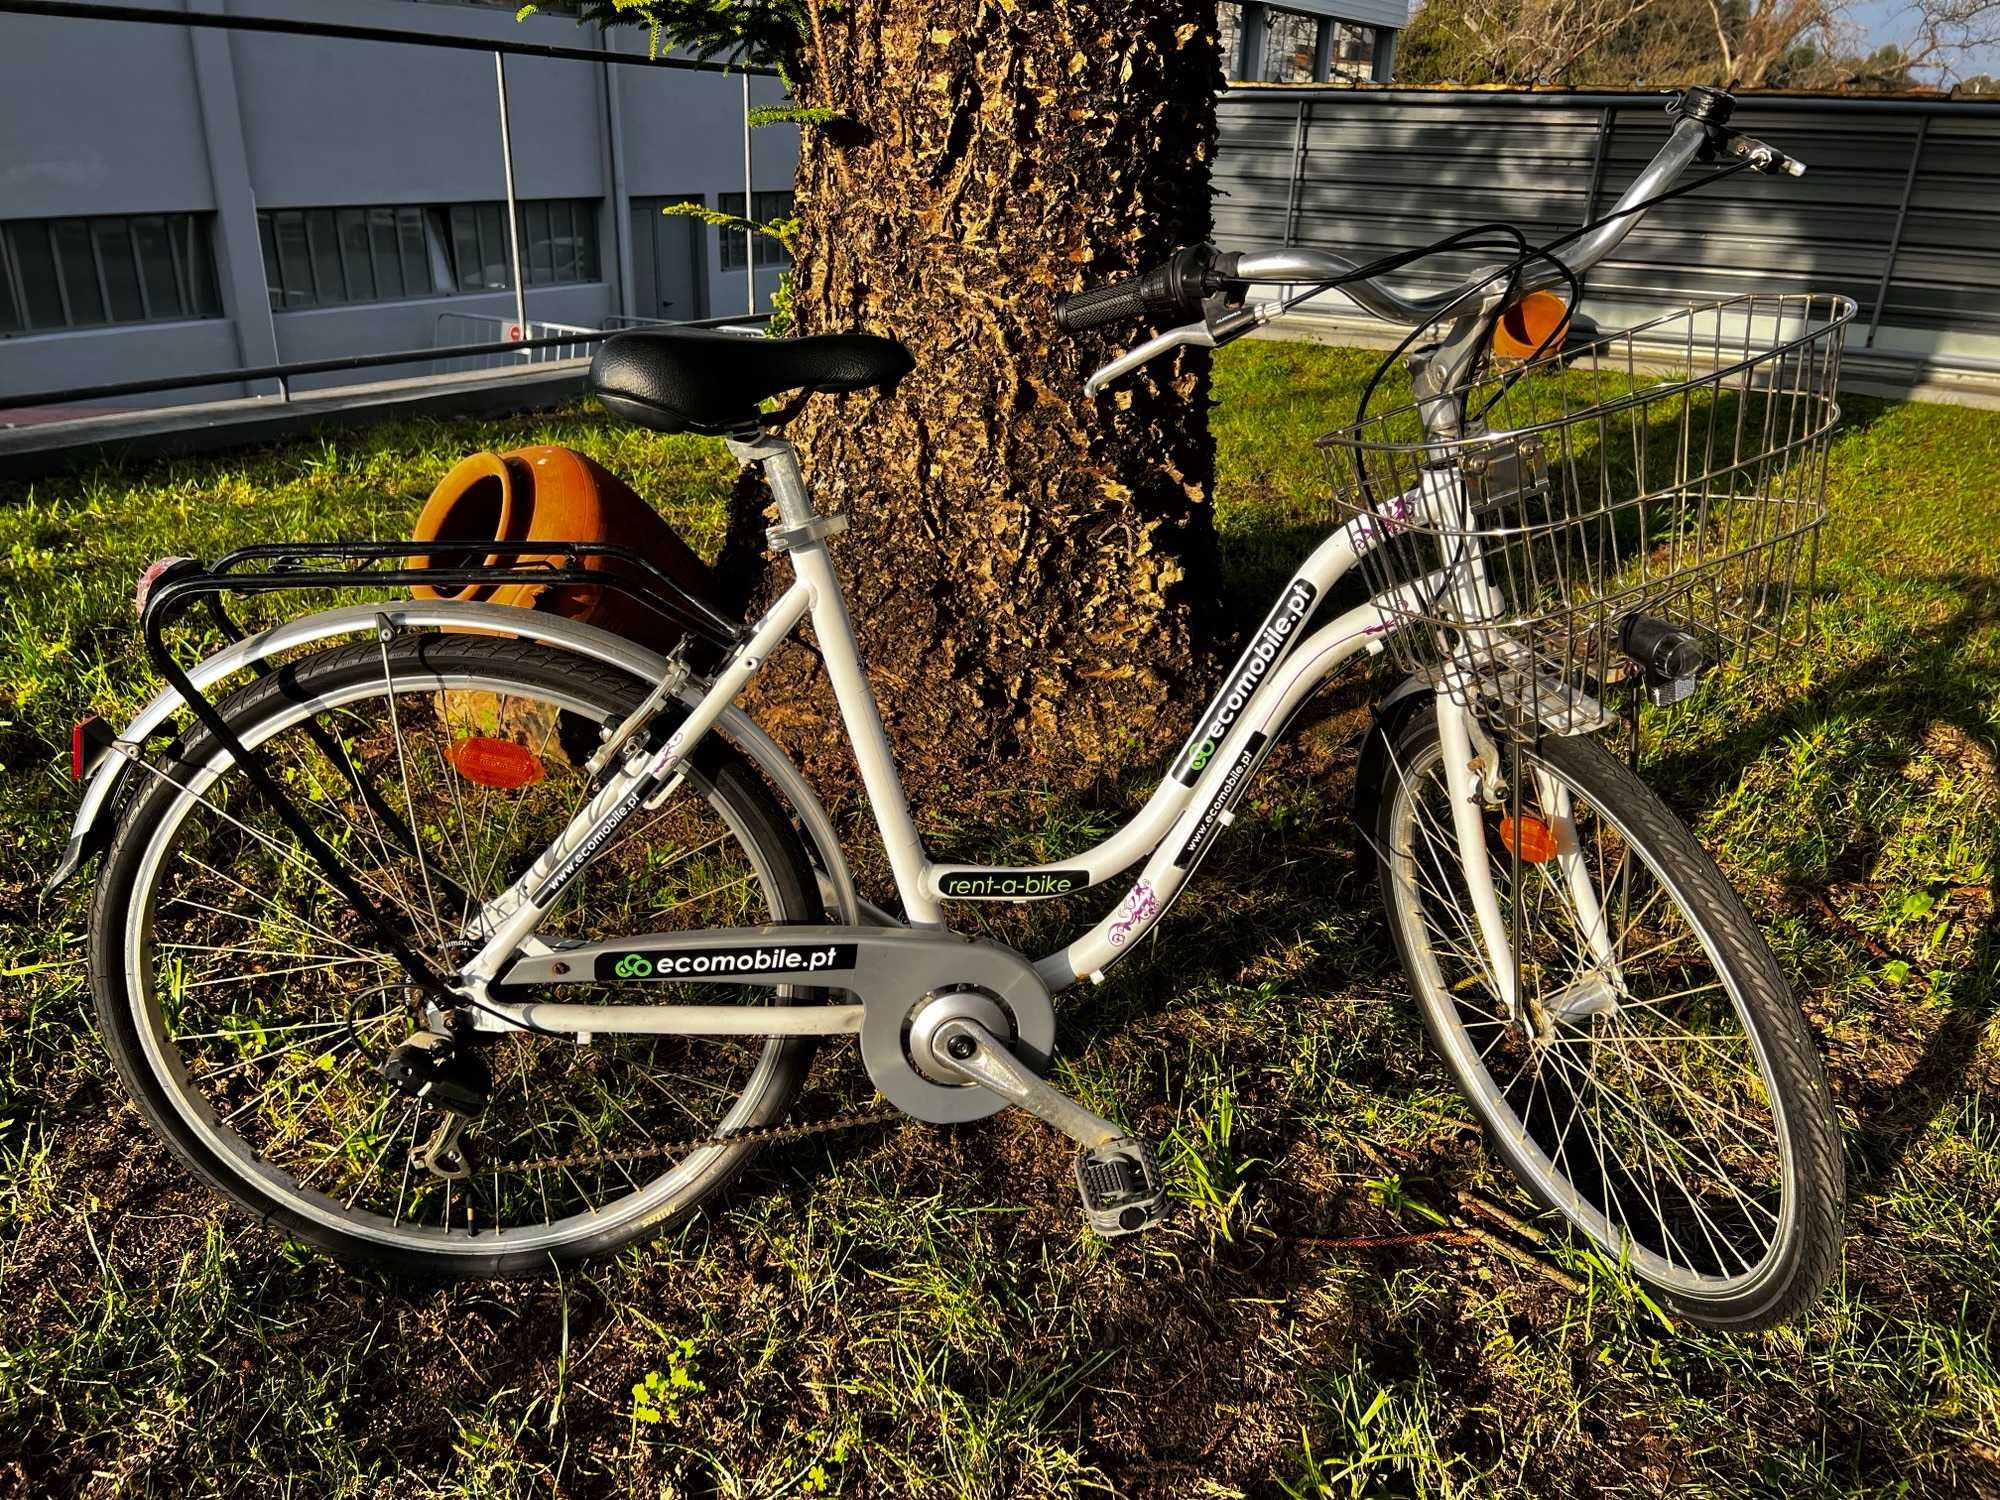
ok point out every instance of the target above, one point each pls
(759, 959)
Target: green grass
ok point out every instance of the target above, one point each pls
(914, 1312)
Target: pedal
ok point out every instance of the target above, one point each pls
(1117, 1175)
(1121, 1187)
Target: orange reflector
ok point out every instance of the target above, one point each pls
(1530, 838)
(501, 764)
(1539, 319)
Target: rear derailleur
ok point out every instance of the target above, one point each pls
(453, 1078)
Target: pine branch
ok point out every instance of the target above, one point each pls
(761, 33)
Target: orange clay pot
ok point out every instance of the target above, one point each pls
(551, 494)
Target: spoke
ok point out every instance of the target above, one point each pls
(409, 801)
(1654, 1002)
(326, 1157)
(409, 1160)
(389, 863)
(1725, 1119)
(491, 872)
(1638, 918)
(1645, 1148)
(211, 1036)
(1641, 1117)
(248, 975)
(461, 848)
(300, 925)
(264, 1093)
(284, 855)
(326, 958)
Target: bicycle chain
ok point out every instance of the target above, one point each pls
(761, 1135)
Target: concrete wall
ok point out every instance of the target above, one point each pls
(118, 118)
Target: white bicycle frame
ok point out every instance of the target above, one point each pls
(1275, 674)
(1279, 668)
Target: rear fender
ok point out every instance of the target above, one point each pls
(97, 816)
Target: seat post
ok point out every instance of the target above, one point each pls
(781, 470)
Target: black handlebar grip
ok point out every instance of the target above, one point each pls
(1125, 302)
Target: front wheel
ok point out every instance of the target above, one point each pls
(1653, 1081)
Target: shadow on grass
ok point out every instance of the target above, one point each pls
(1917, 680)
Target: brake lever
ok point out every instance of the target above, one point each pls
(1762, 157)
(1223, 320)
(1196, 334)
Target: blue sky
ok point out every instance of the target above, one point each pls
(1895, 21)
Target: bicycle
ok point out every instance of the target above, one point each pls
(368, 931)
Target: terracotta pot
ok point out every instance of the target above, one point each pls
(472, 503)
(551, 494)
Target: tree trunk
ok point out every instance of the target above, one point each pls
(1032, 574)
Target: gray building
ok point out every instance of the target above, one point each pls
(176, 200)
(1311, 41)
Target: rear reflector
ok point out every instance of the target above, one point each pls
(500, 764)
(86, 738)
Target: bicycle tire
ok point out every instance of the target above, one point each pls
(125, 900)
(1791, 1274)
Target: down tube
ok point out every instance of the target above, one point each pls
(1195, 765)
(1211, 809)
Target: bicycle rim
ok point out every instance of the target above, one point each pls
(1637, 1099)
(263, 1006)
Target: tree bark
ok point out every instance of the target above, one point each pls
(1032, 574)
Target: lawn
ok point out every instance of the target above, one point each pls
(915, 1312)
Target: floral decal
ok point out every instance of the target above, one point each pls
(1139, 907)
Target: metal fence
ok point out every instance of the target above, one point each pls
(542, 343)
(1900, 210)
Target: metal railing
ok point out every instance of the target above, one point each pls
(285, 373)
(531, 343)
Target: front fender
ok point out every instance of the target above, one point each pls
(1408, 696)
(97, 814)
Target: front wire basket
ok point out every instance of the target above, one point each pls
(1675, 471)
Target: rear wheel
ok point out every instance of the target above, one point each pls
(249, 1008)
(1656, 1084)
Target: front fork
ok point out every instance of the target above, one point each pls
(1474, 780)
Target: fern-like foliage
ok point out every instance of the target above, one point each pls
(784, 231)
(764, 33)
(793, 114)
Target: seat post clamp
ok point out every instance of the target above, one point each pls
(818, 529)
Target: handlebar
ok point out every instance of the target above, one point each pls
(1180, 287)
(1164, 291)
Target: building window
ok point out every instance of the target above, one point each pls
(1229, 22)
(1353, 52)
(770, 206)
(330, 257)
(1291, 47)
(86, 273)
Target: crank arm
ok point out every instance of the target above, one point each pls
(968, 1049)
